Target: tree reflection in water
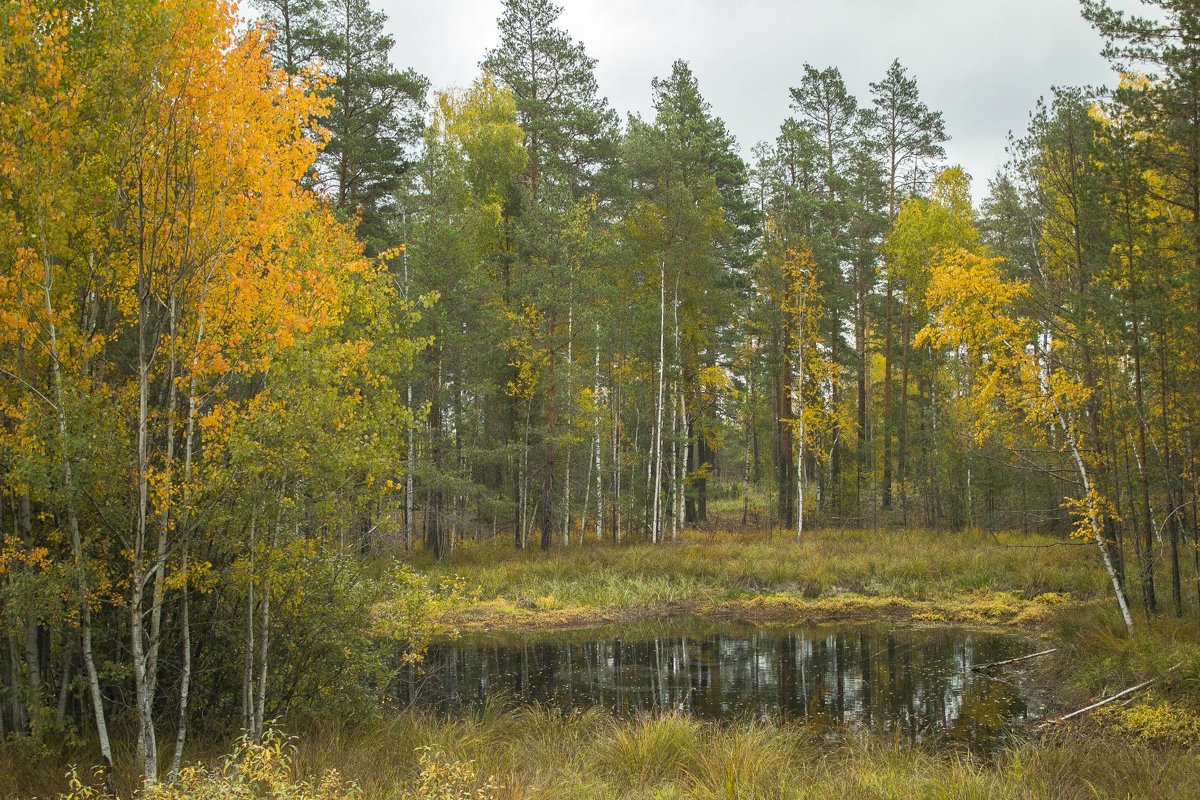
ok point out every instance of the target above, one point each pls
(911, 683)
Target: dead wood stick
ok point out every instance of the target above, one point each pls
(1110, 699)
(979, 667)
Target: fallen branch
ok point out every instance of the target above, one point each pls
(981, 667)
(1113, 698)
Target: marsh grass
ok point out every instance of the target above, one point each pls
(544, 753)
(519, 753)
(513, 753)
(911, 564)
(920, 576)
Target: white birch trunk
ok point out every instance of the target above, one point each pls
(656, 486)
(85, 608)
(596, 444)
(800, 417)
(248, 666)
(1093, 520)
(686, 446)
(675, 458)
(164, 521)
(189, 439)
(679, 441)
(411, 464)
(616, 464)
(567, 466)
(264, 635)
(146, 746)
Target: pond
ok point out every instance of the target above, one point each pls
(915, 684)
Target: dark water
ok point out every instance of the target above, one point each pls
(912, 683)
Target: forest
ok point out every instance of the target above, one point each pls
(311, 375)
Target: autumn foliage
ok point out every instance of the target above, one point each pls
(192, 342)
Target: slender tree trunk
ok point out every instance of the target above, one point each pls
(32, 659)
(1093, 518)
(684, 460)
(164, 521)
(596, 444)
(800, 417)
(410, 464)
(435, 523)
(656, 485)
(85, 607)
(616, 461)
(902, 460)
(567, 465)
(64, 685)
(678, 426)
(248, 643)
(783, 449)
(886, 419)
(1173, 510)
(1148, 596)
(146, 741)
(185, 677)
(525, 512)
(546, 511)
(862, 445)
(264, 631)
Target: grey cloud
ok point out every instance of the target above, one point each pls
(983, 64)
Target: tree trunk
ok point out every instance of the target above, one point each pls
(596, 444)
(656, 484)
(1149, 600)
(886, 419)
(146, 742)
(85, 608)
(1093, 520)
(902, 460)
(784, 467)
(862, 445)
(567, 465)
(1173, 509)
(800, 418)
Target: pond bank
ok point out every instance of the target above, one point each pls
(990, 609)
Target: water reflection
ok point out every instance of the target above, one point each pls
(910, 683)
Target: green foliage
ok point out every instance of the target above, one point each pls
(569, 128)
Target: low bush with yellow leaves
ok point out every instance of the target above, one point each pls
(267, 769)
(1156, 722)
(443, 779)
(254, 769)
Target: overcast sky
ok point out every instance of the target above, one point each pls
(983, 63)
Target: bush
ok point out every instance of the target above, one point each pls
(254, 770)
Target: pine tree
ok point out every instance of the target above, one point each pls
(569, 127)
(376, 120)
(909, 137)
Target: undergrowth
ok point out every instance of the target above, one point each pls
(542, 753)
